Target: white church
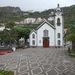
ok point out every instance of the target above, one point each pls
(48, 34)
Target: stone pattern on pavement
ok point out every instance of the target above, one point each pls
(39, 61)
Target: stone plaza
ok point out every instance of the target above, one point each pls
(39, 61)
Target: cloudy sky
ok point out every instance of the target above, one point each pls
(36, 5)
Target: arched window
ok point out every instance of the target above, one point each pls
(59, 42)
(33, 42)
(33, 36)
(58, 35)
(45, 33)
(58, 21)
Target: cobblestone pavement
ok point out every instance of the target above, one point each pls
(39, 61)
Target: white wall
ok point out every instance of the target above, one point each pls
(59, 29)
(40, 35)
(31, 39)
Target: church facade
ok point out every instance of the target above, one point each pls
(48, 34)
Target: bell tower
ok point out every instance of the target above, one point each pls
(59, 26)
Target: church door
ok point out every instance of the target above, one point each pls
(45, 42)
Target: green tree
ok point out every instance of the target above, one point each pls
(10, 25)
(70, 36)
(8, 34)
(22, 32)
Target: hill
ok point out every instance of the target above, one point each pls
(15, 13)
(68, 13)
(8, 13)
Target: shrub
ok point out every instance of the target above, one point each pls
(71, 53)
(2, 72)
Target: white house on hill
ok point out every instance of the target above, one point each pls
(47, 34)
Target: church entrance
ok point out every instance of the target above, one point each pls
(46, 42)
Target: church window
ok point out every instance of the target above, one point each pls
(59, 42)
(45, 33)
(33, 42)
(58, 21)
(58, 35)
(33, 36)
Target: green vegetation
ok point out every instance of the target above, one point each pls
(22, 31)
(68, 13)
(10, 14)
(9, 35)
(2, 72)
(14, 32)
(70, 36)
(71, 53)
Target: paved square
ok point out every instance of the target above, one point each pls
(39, 61)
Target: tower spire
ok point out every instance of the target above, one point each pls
(58, 5)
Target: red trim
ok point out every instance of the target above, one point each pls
(4, 51)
